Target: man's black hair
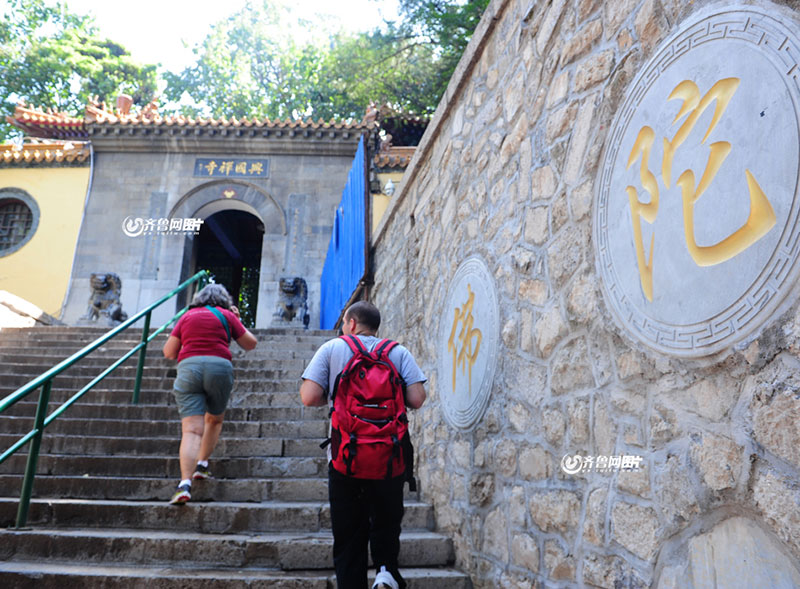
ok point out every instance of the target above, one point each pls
(365, 314)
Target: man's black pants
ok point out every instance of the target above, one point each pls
(365, 511)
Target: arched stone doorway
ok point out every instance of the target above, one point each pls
(241, 242)
(229, 248)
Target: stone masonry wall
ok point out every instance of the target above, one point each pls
(507, 171)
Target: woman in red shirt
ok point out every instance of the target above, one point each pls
(200, 341)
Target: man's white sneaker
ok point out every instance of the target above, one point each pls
(385, 580)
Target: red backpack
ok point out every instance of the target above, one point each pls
(369, 427)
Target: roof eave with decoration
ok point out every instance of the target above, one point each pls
(104, 122)
(47, 124)
(101, 122)
(45, 153)
(394, 158)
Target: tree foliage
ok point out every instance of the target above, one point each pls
(446, 25)
(249, 66)
(52, 58)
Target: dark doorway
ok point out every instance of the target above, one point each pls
(229, 247)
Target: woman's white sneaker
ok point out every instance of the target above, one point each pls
(182, 495)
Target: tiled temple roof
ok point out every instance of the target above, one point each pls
(98, 117)
(48, 124)
(149, 115)
(44, 152)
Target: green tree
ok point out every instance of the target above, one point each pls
(249, 66)
(380, 67)
(52, 58)
(446, 25)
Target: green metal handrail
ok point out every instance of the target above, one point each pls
(45, 380)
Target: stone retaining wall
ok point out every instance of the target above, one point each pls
(507, 171)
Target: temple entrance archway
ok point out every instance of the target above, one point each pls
(241, 242)
(229, 248)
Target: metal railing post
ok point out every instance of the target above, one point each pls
(142, 354)
(33, 455)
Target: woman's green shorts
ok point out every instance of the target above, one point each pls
(203, 385)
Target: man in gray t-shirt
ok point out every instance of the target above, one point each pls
(363, 510)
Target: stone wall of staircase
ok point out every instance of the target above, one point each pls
(509, 170)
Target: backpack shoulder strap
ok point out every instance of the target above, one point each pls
(357, 348)
(384, 347)
(355, 344)
(222, 319)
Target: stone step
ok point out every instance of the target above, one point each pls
(72, 345)
(139, 429)
(164, 397)
(293, 364)
(43, 353)
(154, 361)
(161, 489)
(21, 574)
(286, 551)
(149, 382)
(133, 333)
(228, 446)
(288, 398)
(128, 370)
(166, 412)
(287, 331)
(195, 517)
(168, 466)
(69, 346)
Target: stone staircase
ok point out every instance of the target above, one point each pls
(100, 517)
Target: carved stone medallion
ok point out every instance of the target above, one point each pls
(696, 214)
(468, 342)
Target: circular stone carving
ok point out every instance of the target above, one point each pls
(468, 338)
(696, 215)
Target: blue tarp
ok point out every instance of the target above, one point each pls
(345, 263)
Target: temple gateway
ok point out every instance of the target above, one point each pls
(154, 199)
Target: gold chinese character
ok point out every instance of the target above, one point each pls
(468, 338)
(211, 166)
(226, 167)
(647, 211)
(241, 168)
(692, 105)
(256, 168)
(761, 218)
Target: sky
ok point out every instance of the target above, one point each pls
(154, 31)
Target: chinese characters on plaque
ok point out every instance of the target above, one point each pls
(231, 168)
(696, 220)
(465, 340)
(469, 332)
(761, 218)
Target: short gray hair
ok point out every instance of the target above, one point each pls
(213, 294)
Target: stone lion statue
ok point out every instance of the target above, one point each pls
(104, 302)
(292, 300)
